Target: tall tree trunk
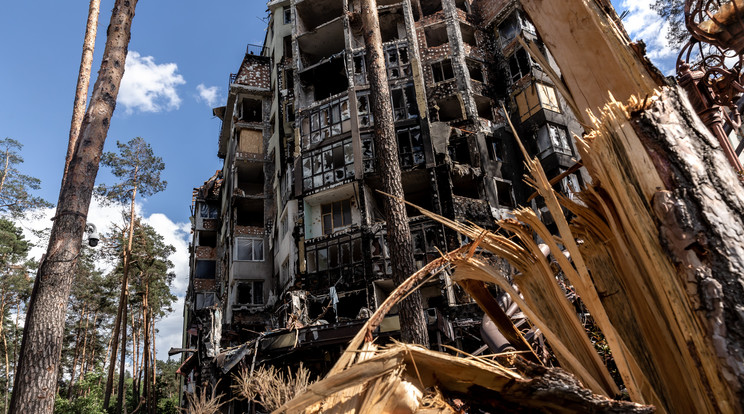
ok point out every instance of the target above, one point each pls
(412, 322)
(125, 289)
(146, 348)
(114, 345)
(136, 360)
(15, 338)
(7, 372)
(42, 339)
(84, 365)
(81, 91)
(154, 364)
(76, 353)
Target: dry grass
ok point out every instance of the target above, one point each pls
(202, 403)
(269, 386)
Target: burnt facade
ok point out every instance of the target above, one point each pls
(289, 249)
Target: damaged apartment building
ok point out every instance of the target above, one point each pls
(288, 255)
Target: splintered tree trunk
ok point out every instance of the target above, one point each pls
(36, 378)
(665, 220)
(412, 322)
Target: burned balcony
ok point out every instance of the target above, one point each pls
(322, 43)
(249, 213)
(473, 210)
(324, 80)
(553, 147)
(249, 179)
(314, 13)
(436, 35)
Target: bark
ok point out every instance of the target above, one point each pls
(42, 339)
(120, 403)
(412, 322)
(84, 365)
(146, 349)
(76, 354)
(7, 371)
(81, 91)
(154, 398)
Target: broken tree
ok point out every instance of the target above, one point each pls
(36, 378)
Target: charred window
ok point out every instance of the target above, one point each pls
(519, 65)
(368, 153)
(436, 35)
(475, 69)
(249, 293)
(335, 216)
(206, 269)
(504, 193)
(332, 254)
(495, 149)
(251, 110)
(410, 147)
(552, 138)
(397, 62)
(427, 242)
(328, 165)
(288, 46)
(360, 69)
(404, 103)
(442, 70)
(325, 121)
(364, 110)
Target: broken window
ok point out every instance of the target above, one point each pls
(251, 110)
(368, 154)
(463, 5)
(552, 138)
(364, 110)
(249, 212)
(450, 108)
(410, 147)
(249, 293)
(289, 79)
(495, 148)
(468, 34)
(288, 46)
(442, 70)
(205, 300)
(339, 252)
(326, 79)
(459, 151)
(509, 29)
(289, 114)
(391, 26)
(325, 121)
(360, 70)
(397, 62)
(535, 97)
(436, 35)
(380, 256)
(404, 102)
(427, 242)
(475, 69)
(328, 165)
(206, 269)
(208, 210)
(249, 249)
(208, 238)
(484, 106)
(335, 216)
(520, 64)
(504, 193)
(287, 15)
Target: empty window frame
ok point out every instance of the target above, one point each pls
(442, 71)
(475, 69)
(364, 110)
(251, 110)
(496, 148)
(410, 147)
(360, 69)
(206, 269)
(520, 64)
(333, 254)
(427, 242)
(325, 121)
(552, 138)
(328, 165)
(287, 15)
(287, 46)
(249, 293)
(208, 210)
(504, 193)
(535, 97)
(404, 102)
(436, 35)
(249, 249)
(397, 62)
(335, 216)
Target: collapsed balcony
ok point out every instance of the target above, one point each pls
(322, 43)
(314, 13)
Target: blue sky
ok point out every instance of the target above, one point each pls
(180, 57)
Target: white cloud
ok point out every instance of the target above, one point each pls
(176, 234)
(210, 95)
(643, 23)
(148, 86)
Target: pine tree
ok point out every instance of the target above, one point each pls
(15, 187)
(139, 171)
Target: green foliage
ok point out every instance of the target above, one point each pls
(90, 400)
(137, 167)
(15, 188)
(673, 11)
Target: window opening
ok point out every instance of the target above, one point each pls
(206, 269)
(442, 70)
(325, 121)
(410, 147)
(328, 165)
(208, 210)
(249, 293)
(249, 249)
